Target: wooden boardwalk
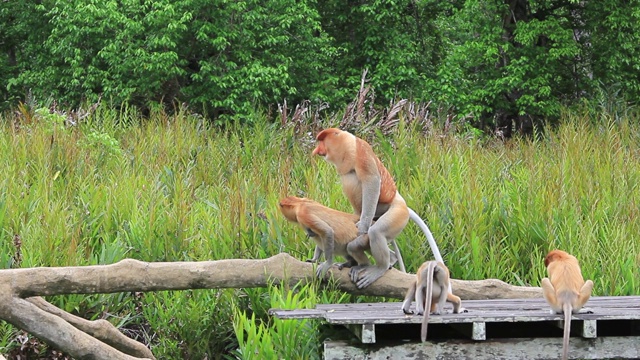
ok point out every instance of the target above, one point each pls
(491, 329)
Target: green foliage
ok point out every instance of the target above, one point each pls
(279, 339)
(175, 188)
(193, 324)
(166, 50)
(613, 44)
(473, 59)
(396, 41)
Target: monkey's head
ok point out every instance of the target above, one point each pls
(326, 139)
(331, 143)
(289, 207)
(555, 255)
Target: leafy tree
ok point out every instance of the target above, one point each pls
(610, 36)
(223, 55)
(242, 53)
(512, 58)
(22, 31)
(504, 62)
(397, 41)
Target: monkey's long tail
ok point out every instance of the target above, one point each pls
(566, 308)
(399, 256)
(427, 301)
(432, 242)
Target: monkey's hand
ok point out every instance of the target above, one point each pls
(585, 311)
(362, 229)
(407, 312)
(354, 272)
(313, 261)
(461, 310)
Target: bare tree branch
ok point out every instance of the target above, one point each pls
(100, 329)
(85, 339)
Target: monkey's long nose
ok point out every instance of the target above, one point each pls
(318, 151)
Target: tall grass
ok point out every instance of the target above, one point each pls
(172, 187)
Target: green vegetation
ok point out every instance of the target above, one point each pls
(173, 187)
(498, 61)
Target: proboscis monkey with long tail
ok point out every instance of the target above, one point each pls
(331, 230)
(431, 292)
(372, 194)
(565, 290)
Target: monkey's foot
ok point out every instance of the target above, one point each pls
(585, 311)
(313, 261)
(322, 269)
(355, 272)
(369, 275)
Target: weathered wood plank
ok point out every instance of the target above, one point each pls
(398, 317)
(298, 313)
(502, 349)
(626, 302)
(513, 310)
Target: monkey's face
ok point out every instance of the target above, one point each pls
(289, 212)
(328, 143)
(289, 207)
(320, 149)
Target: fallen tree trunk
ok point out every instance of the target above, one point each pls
(85, 339)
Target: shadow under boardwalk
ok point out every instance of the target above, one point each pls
(491, 329)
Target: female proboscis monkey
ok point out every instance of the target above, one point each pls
(372, 194)
(330, 229)
(565, 289)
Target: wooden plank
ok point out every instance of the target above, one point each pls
(626, 302)
(512, 310)
(492, 305)
(398, 317)
(502, 349)
(298, 313)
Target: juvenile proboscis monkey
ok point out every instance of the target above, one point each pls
(331, 230)
(431, 291)
(372, 194)
(565, 290)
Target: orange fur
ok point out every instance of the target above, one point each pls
(431, 291)
(331, 230)
(565, 290)
(349, 153)
(308, 214)
(372, 193)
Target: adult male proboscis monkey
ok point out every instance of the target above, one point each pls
(372, 194)
(331, 230)
(431, 292)
(565, 290)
